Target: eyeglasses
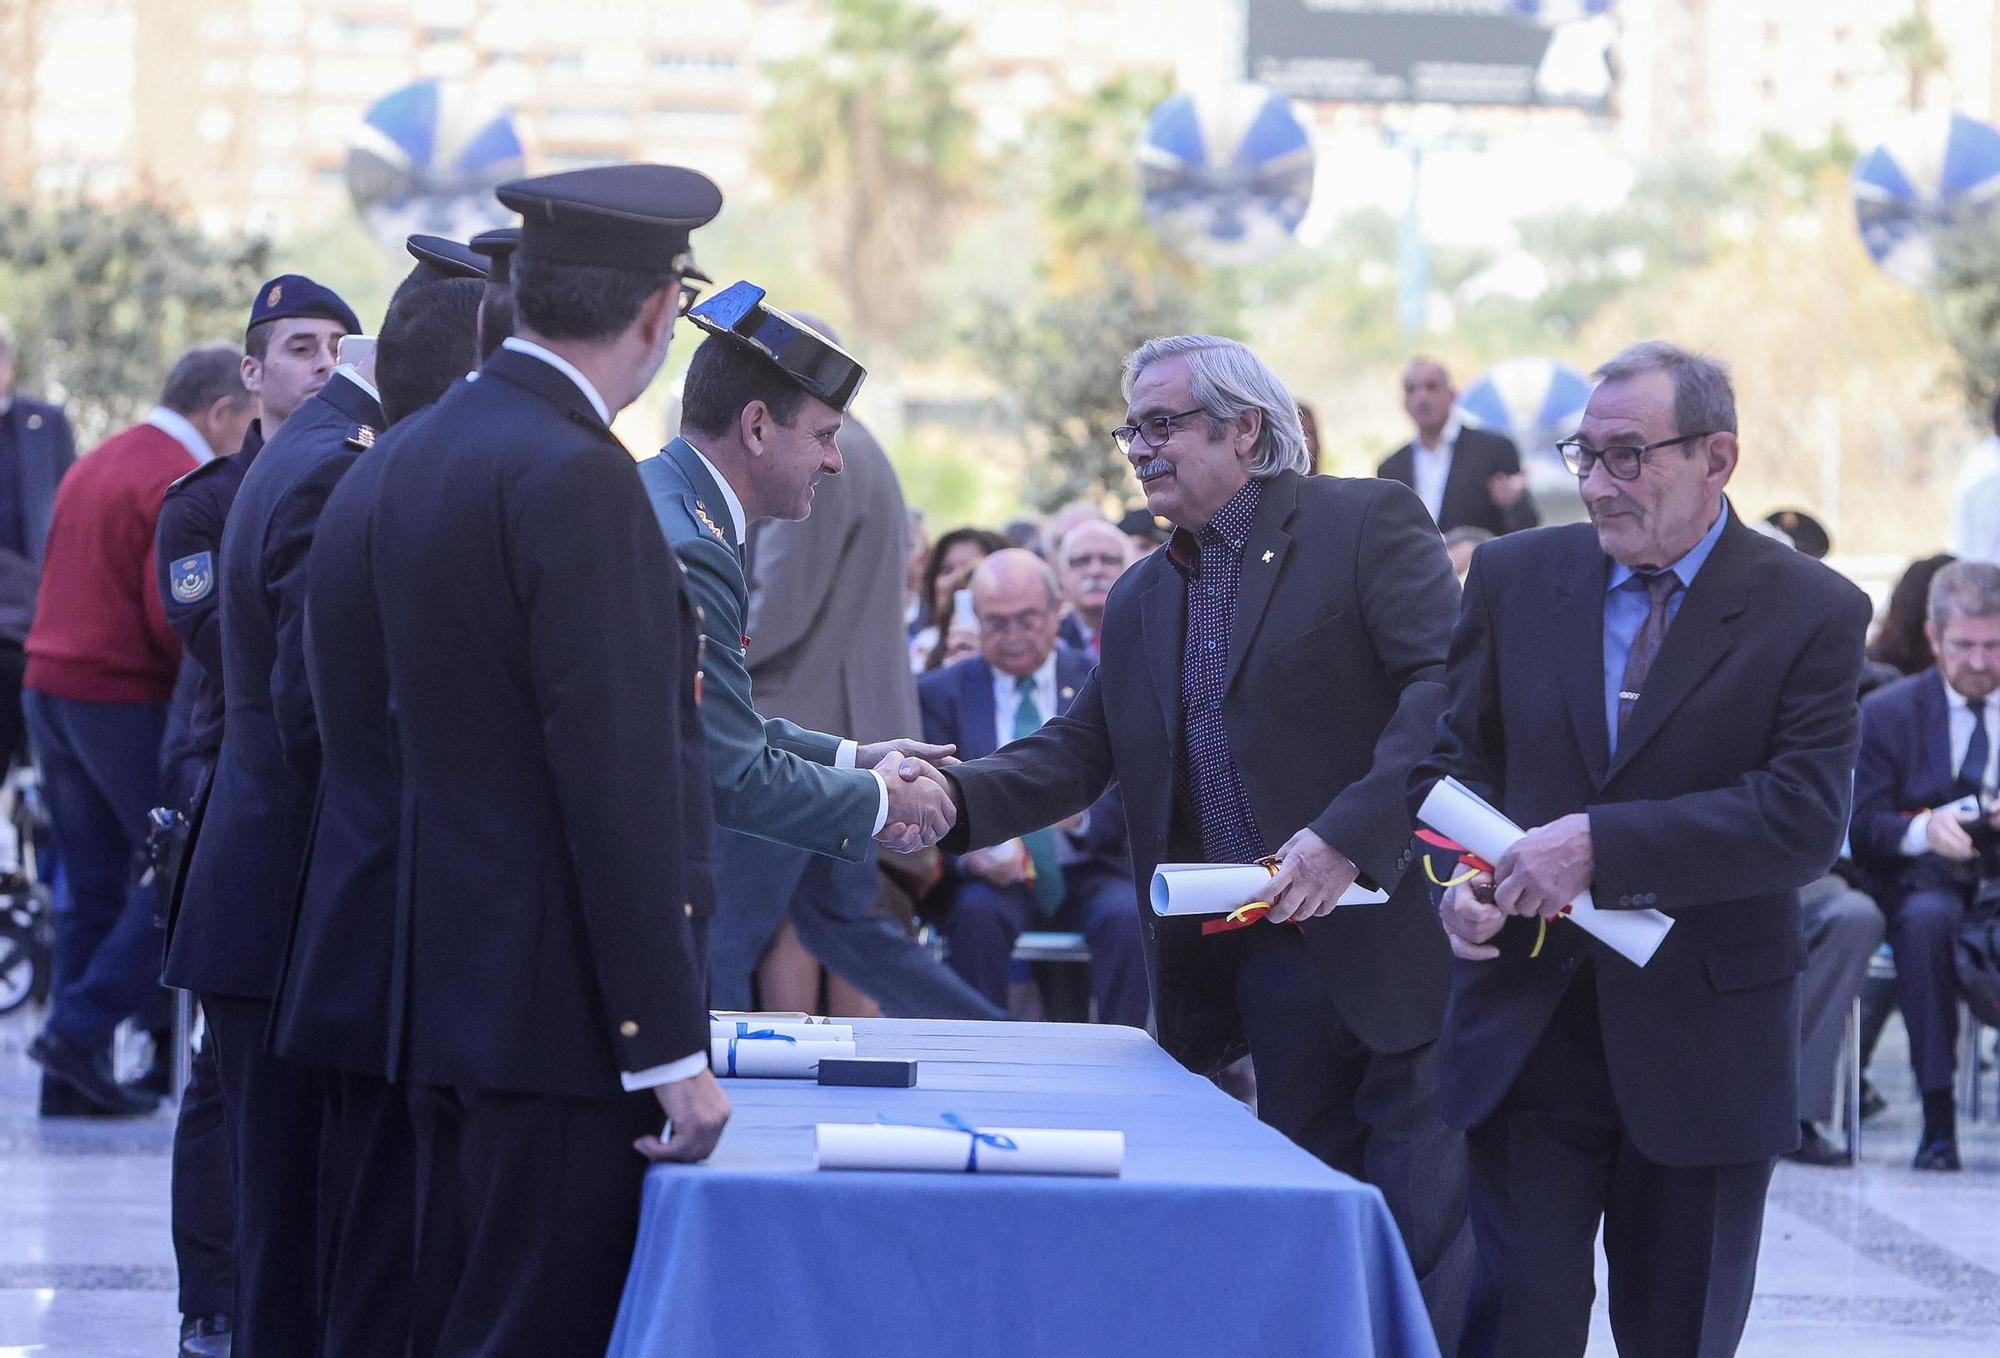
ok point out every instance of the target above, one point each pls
(1000, 624)
(690, 294)
(1622, 460)
(1156, 430)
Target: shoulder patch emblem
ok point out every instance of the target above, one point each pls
(192, 577)
(708, 524)
(362, 438)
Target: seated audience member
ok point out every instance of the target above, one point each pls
(1899, 638)
(1088, 561)
(1060, 523)
(1143, 531)
(1842, 929)
(1460, 544)
(950, 567)
(1065, 877)
(1925, 827)
(1024, 531)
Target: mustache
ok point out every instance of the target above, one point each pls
(1615, 503)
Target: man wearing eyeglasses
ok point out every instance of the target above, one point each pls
(1267, 684)
(1467, 478)
(1666, 700)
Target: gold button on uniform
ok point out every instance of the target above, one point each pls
(628, 1029)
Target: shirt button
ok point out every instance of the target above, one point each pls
(687, 908)
(628, 1029)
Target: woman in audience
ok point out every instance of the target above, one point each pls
(1899, 637)
(951, 565)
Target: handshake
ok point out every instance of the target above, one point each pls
(921, 810)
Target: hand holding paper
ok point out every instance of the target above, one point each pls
(1545, 869)
(1222, 888)
(1312, 876)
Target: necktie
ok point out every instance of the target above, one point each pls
(1972, 772)
(1047, 884)
(1660, 586)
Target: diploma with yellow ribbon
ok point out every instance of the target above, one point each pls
(1234, 890)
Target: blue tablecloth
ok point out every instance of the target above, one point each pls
(1221, 1239)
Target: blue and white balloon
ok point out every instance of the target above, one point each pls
(1225, 174)
(1533, 401)
(426, 159)
(1931, 175)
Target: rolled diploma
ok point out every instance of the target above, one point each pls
(1460, 814)
(1217, 888)
(782, 1015)
(772, 1058)
(1038, 1150)
(803, 1032)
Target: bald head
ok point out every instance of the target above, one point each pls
(1428, 397)
(1015, 598)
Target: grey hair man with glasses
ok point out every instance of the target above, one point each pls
(1666, 700)
(1266, 686)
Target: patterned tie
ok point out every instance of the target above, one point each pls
(1972, 770)
(1048, 880)
(1660, 586)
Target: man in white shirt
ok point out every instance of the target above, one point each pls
(1975, 500)
(1466, 477)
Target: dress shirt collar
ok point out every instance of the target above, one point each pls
(1689, 565)
(1007, 691)
(1447, 438)
(353, 374)
(729, 500)
(563, 366)
(1230, 527)
(6, 404)
(179, 428)
(1956, 701)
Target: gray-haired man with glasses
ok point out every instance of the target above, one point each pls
(1667, 700)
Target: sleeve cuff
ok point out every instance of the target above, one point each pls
(843, 758)
(685, 1068)
(1916, 839)
(882, 801)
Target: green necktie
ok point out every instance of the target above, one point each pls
(1048, 881)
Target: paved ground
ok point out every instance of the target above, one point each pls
(1880, 1261)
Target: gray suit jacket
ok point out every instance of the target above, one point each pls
(827, 642)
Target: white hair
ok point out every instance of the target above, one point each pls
(1225, 379)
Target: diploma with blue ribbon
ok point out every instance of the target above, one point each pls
(953, 1146)
(768, 1054)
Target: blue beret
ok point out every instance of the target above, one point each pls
(293, 294)
(634, 217)
(739, 315)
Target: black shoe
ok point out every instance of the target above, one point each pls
(205, 1337)
(89, 1076)
(1937, 1152)
(1872, 1102)
(1815, 1149)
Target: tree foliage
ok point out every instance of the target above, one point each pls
(1967, 291)
(104, 298)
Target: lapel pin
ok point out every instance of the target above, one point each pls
(1068, 693)
(35, 421)
(1267, 558)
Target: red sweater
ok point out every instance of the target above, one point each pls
(101, 632)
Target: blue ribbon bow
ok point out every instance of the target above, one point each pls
(954, 1123)
(743, 1034)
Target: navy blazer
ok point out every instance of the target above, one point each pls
(1476, 458)
(957, 703)
(229, 933)
(1729, 792)
(1904, 767)
(43, 447)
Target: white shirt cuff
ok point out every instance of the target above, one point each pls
(1916, 839)
(685, 1068)
(843, 758)
(882, 803)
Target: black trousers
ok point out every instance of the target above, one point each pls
(1923, 931)
(1371, 1115)
(367, 1216)
(1551, 1162)
(274, 1111)
(204, 1193)
(528, 1206)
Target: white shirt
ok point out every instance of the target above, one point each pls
(1975, 504)
(178, 427)
(1915, 841)
(353, 374)
(1432, 466)
(1007, 699)
(567, 369)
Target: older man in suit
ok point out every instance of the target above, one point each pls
(1075, 877)
(1467, 478)
(1267, 685)
(826, 650)
(1666, 700)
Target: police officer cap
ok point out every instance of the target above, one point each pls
(293, 294)
(1808, 534)
(438, 259)
(617, 216)
(497, 248)
(740, 315)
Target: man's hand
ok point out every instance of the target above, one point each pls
(1947, 837)
(921, 811)
(1312, 874)
(1002, 865)
(1546, 869)
(868, 756)
(697, 1110)
(1505, 489)
(1470, 922)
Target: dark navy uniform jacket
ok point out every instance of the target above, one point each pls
(230, 931)
(554, 822)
